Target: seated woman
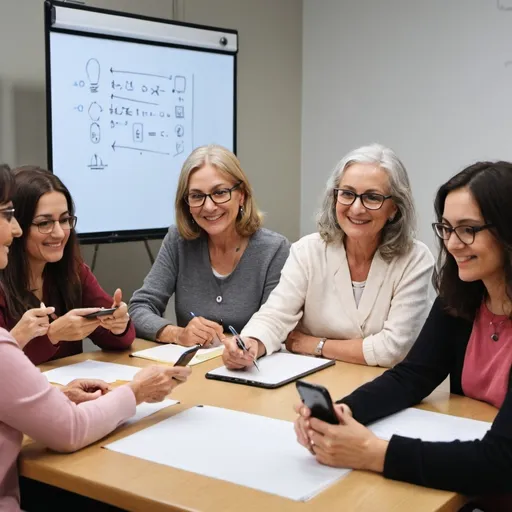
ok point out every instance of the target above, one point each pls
(30, 405)
(356, 291)
(46, 268)
(467, 336)
(218, 261)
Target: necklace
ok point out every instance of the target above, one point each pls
(495, 334)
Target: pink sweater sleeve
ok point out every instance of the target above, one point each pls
(28, 403)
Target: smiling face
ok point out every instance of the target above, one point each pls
(355, 220)
(9, 229)
(48, 248)
(483, 259)
(215, 219)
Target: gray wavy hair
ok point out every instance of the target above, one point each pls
(397, 236)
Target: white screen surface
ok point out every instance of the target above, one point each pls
(124, 118)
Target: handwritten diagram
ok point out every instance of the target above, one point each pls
(133, 110)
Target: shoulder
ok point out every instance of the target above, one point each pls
(85, 273)
(312, 243)
(266, 238)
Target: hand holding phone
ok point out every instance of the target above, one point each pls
(318, 400)
(187, 356)
(101, 312)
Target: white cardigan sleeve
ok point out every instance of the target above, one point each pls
(284, 307)
(409, 310)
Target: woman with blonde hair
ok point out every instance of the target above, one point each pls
(218, 262)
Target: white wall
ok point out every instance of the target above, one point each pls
(426, 78)
(269, 104)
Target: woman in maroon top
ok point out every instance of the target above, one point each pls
(467, 336)
(47, 269)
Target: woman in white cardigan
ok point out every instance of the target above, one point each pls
(357, 290)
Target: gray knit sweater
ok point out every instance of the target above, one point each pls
(183, 268)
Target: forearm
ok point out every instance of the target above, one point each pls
(350, 351)
(18, 336)
(169, 334)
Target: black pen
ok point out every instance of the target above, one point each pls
(241, 345)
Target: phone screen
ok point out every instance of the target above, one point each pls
(187, 356)
(319, 401)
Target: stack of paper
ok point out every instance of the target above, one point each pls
(109, 372)
(171, 353)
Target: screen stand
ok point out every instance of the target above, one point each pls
(97, 246)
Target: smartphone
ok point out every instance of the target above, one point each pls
(319, 401)
(101, 312)
(187, 356)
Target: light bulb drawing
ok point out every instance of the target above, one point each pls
(92, 68)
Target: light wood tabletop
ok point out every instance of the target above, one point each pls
(138, 485)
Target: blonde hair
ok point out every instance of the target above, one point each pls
(248, 221)
(397, 236)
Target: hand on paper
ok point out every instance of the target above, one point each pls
(300, 343)
(72, 326)
(234, 358)
(84, 390)
(200, 331)
(347, 445)
(116, 322)
(154, 383)
(33, 323)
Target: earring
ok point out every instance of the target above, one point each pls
(241, 211)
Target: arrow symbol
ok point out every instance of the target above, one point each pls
(169, 77)
(114, 146)
(112, 96)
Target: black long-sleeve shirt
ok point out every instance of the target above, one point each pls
(469, 467)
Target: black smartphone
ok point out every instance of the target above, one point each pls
(187, 356)
(319, 401)
(101, 312)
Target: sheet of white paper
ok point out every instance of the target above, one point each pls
(145, 409)
(109, 372)
(429, 426)
(263, 452)
(170, 353)
(276, 368)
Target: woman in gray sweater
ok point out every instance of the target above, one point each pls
(218, 261)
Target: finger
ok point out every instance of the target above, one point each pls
(121, 311)
(86, 396)
(178, 371)
(42, 312)
(319, 441)
(319, 426)
(118, 297)
(217, 328)
(96, 384)
(54, 316)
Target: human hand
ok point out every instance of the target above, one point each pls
(200, 331)
(154, 383)
(84, 390)
(234, 358)
(300, 343)
(117, 322)
(33, 323)
(72, 326)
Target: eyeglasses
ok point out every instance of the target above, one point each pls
(219, 196)
(8, 214)
(46, 226)
(370, 200)
(466, 234)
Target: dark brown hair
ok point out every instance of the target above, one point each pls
(490, 183)
(66, 291)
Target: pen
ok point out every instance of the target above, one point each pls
(193, 315)
(241, 345)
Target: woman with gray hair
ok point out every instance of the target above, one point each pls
(357, 290)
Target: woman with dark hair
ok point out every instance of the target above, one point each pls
(46, 268)
(468, 336)
(30, 405)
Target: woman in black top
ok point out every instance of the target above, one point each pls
(474, 272)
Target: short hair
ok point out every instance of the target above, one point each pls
(397, 235)
(247, 223)
(490, 183)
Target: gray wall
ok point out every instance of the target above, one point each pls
(269, 105)
(426, 78)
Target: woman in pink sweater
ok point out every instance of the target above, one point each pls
(30, 405)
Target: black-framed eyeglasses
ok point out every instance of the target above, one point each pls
(466, 234)
(8, 214)
(370, 200)
(219, 196)
(46, 226)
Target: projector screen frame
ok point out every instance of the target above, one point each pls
(228, 45)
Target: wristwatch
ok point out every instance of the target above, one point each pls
(319, 347)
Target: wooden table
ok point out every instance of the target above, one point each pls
(138, 485)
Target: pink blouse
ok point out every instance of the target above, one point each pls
(485, 375)
(30, 405)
